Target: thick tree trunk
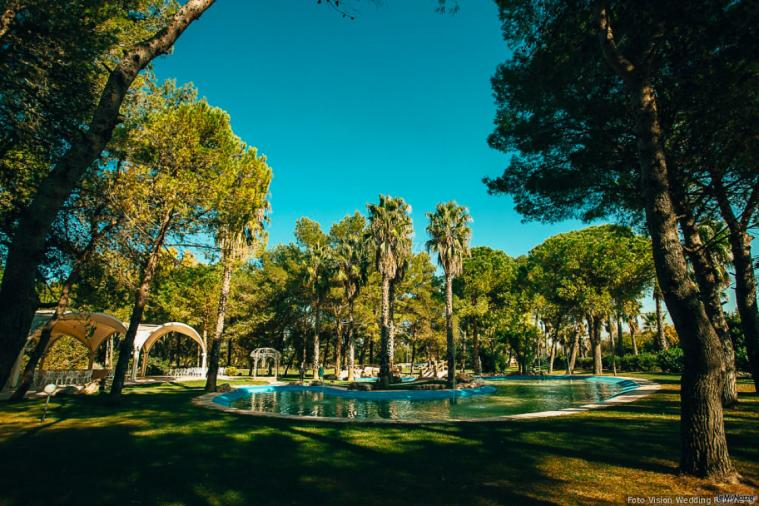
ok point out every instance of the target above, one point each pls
(451, 346)
(385, 373)
(594, 332)
(707, 277)
(704, 449)
(26, 251)
(745, 280)
(391, 328)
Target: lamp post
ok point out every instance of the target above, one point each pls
(49, 390)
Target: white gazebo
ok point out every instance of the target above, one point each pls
(265, 354)
(92, 329)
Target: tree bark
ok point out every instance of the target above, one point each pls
(351, 343)
(338, 347)
(317, 329)
(226, 283)
(140, 299)
(745, 280)
(573, 353)
(594, 333)
(704, 449)
(26, 251)
(384, 372)
(707, 278)
(451, 346)
(477, 362)
(633, 324)
(661, 340)
(620, 335)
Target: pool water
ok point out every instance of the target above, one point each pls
(501, 396)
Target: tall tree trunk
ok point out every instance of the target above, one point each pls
(391, 329)
(126, 348)
(226, 282)
(707, 277)
(573, 353)
(477, 362)
(384, 372)
(594, 332)
(704, 449)
(620, 335)
(338, 347)
(745, 280)
(612, 347)
(351, 343)
(26, 251)
(661, 340)
(632, 323)
(317, 330)
(451, 346)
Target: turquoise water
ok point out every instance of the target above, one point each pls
(500, 397)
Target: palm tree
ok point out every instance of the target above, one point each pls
(391, 230)
(318, 259)
(239, 221)
(352, 261)
(449, 236)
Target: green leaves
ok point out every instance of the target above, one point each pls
(449, 236)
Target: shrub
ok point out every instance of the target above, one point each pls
(671, 360)
(231, 371)
(157, 366)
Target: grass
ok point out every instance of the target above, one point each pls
(157, 448)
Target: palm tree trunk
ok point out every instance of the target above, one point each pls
(449, 331)
(317, 329)
(633, 324)
(351, 343)
(620, 335)
(338, 347)
(384, 373)
(477, 366)
(18, 291)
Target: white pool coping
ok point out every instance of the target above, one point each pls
(644, 389)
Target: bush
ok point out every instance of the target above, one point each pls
(231, 371)
(671, 360)
(157, 366)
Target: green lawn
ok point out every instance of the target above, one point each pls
(157, 448)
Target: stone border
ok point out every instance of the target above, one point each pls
(644, 389)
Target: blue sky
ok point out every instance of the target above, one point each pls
(396, 101)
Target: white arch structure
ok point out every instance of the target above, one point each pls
(147, 335)
(92, 329)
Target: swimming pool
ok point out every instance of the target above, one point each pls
(500, 397)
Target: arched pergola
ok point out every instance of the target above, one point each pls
(264, 354)
(90, 329)
(147, 335)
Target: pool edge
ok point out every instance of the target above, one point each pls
(644, 389)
